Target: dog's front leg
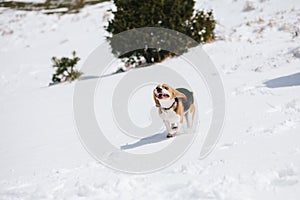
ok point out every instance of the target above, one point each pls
(168, 126)
(173, 128)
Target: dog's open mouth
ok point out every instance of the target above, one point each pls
(162, 96)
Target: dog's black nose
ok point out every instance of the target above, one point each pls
(158, 89)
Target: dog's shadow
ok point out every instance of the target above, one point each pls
(159, 137)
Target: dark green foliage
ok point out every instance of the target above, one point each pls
(201, 27)
(178, 15)
(64, 69)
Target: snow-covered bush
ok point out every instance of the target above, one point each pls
(178, 15)
(65, 69)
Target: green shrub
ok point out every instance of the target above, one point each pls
(65, 69)
(178, 15)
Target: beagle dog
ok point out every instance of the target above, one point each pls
(174, 105)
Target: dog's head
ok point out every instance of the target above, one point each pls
(164, 94)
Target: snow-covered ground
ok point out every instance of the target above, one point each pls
(258, 156)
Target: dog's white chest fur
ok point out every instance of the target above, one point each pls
(170, 116)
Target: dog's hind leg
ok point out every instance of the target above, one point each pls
(189, 116)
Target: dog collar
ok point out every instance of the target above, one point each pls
(175, 101)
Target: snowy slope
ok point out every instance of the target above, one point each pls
(258, 156)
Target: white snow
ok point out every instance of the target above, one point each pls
(257, 157)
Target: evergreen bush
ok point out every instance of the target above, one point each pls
(178, 15)
(65, 69)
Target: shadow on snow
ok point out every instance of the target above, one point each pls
(284, 81)
(159, 137)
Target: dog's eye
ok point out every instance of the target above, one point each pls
(166, 88)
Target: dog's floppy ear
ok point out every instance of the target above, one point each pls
(179, 95)
(157, 104)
